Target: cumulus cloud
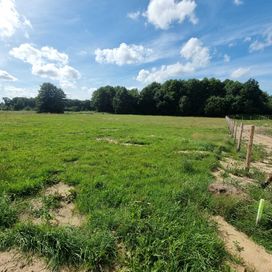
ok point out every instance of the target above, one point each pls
(47, 62)
(11, 20)
(6, 76)
(162, 13)
(124, 54)
(261, 45)
(238, 2)
(13, 91)
(240, 72)
(134, 15)
(196, 54)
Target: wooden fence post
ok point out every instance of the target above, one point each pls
(235, 132)
(240, 137)
(249, 148)
(233, 128)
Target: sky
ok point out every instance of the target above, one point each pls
(83, 45)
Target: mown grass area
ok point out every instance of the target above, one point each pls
(146, 203)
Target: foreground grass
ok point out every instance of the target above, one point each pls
(145, 202)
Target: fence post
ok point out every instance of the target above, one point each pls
(233, 128)
(249, 147)
(240, 137)
(235, 131)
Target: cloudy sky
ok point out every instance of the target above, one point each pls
(82, 45)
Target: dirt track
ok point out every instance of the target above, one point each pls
(238, 244)
(259, 137)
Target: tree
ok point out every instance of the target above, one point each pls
(102, 99)
(124, 101)
(147, 103)
(50, 99)
(216, 106)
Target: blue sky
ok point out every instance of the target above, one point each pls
(82, 45)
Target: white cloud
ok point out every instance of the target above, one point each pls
(165, 72)
(134, 15)
(13, 91)
(6, 76)
(238, 2)
(226, 58)
(162, 13)
(240, 72)
(193, 51)
(47, 62)
(261, 45)
(11, 20)
(247, 39)
(124, 54)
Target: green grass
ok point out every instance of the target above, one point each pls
(146, 205)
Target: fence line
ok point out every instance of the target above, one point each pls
(233, 130)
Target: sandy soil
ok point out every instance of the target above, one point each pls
(240, 245)
(259, 137)
(13, 261)
(113, 141)
(65, 215)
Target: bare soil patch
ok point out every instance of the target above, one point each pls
(225, 189)
(259, 137)
(13, 261)
(201, 152)
(229, 163)
(114, 141)
(240, 245)
(108, 140)
(64, 214)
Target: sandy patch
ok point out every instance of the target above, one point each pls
(241, 246)
(65, 214)
(201, 152)
(229, 163)
(108, 140)
(13, 261)
(259, 137)
(113, 141)
(225, 189)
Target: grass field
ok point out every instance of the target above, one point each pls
(140, 184)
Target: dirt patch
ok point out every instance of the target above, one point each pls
(242, 181)
(266, 168)
(13, 261)
(259, 137)
(237, 267)
(113, 141)
(201, 152)
(60, 189)
(225, 189)
(66, 215)
(63, 213)
(108, 140)
(238, 244)
(229, 163)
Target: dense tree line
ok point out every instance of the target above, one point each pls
(207, 97)
(49, 99)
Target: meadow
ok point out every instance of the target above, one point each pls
(139, 184)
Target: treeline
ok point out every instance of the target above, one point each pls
(30, 104)
(207, 97)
